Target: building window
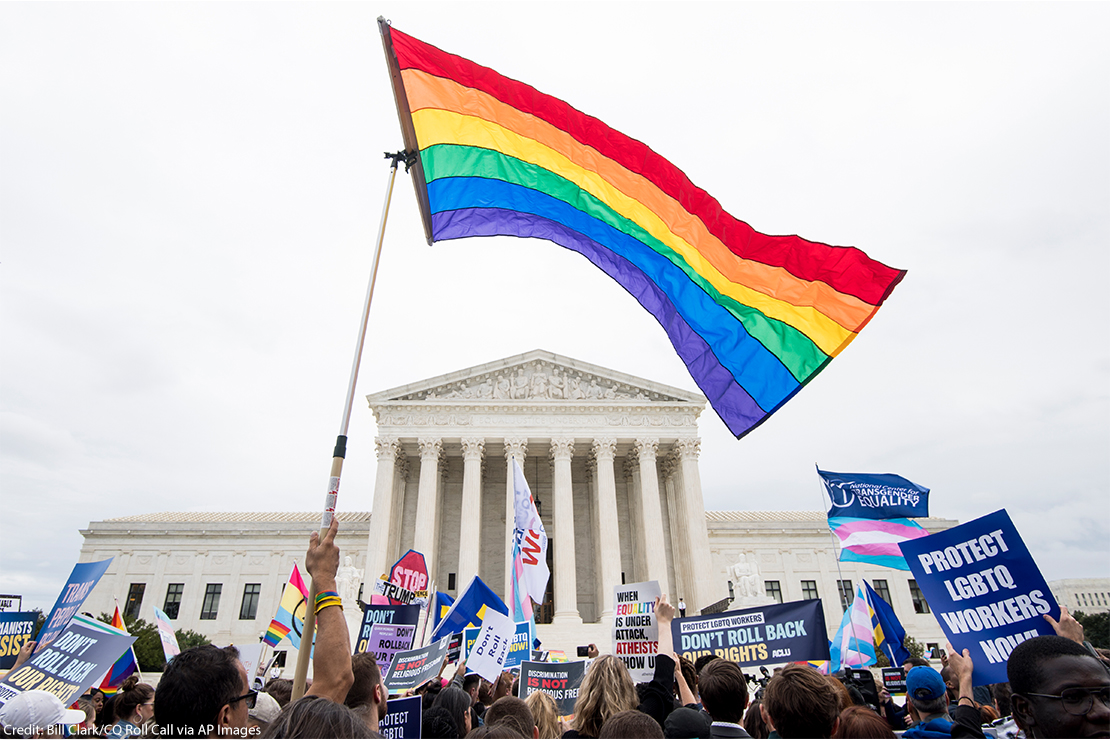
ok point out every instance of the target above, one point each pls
(249, 608)
(846, 593)
(809, 590)
(211, 603)
(883, 590)
(919, 604)
(173, 599)
(450, 581)
(774, 590)
(134, 600)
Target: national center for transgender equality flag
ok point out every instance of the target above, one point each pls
(289, 620)
(753, 317)
(122, 668)
(881, 505)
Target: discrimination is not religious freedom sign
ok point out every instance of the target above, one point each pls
(984, 588)
(776, 633)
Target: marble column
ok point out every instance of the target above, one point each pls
(566, 575)
(401, 472)
(638, 572)
(703, 591)
(609, 545)
(382, 515)
(652, 511)
(427, 503)
(470, 525)
(680, 551)
(514, 448)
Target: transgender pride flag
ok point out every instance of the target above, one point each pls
(853, 646)
(874, 541)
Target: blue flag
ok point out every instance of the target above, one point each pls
(469, 609)
(889, 633)
(440, 605)
(874, 496)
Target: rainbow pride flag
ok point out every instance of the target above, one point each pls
(290, 613)
(754, 317)
(122, 668)
(874, 541)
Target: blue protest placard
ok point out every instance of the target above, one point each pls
(384, 614)
(776, 633)
(80, 655)
(411, 668)
(81, 582)
(402, 718)
(16, 628)
(986, 591)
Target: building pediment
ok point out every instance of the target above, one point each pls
(536, 376)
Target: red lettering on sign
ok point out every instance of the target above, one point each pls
(530, 549)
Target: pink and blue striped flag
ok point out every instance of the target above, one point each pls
(874, 541)
(853, 645)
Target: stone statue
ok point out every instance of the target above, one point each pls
(503, 388)
(539, 384)
(347, 580)
(557, 384)
(574, 388)
(520, 385)
(745, 576)
(594, 391)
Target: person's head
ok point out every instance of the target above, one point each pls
(96, 696)
(32, 712)
(266, 709)
(703, 660)
(951, 683)
(631, 724)
(987, 714)
(85, 705)
(316, 717)
(607, 689)
(457, 702)
(927, 693)
(367, 696)
(689, 674)
(686, 722)
(797, 702)
(724, 691)
(753, 721)
(501, 731)
(134, 701)
(910, 663)
(861, 722)
(545, 713)
(437, 722)
(471, 683)
(1000, 692)
(281, 689)
(203, 687)
(843, 696)
(1059, 689)
(514, 712)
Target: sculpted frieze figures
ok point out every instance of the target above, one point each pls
(536, 380)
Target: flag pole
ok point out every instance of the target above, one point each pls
(840, 575)
(300, 677)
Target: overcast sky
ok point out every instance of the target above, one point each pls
(189, 196)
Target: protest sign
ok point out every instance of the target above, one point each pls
(487, 657)
(250, 656)
(635, 631)
(406, 583)
(411, 668)
(455, 647)
(519, 651)
(16, 628)
(384, 614)
(985, 589)
(166, 633)
(82, 580)
(549, 656)
(775, 633)
(386, 640)
(894, 680)
(560, 681)
(77, 658)
(10, 602)
(402, 718)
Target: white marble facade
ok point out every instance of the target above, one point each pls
(585, 437)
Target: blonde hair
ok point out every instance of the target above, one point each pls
(606, 690)
(546, 714)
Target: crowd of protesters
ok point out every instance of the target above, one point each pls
(1058, 687)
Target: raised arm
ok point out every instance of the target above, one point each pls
(332, 676)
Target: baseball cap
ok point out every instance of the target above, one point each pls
(925, 683)
(266, 708)
(38, 710)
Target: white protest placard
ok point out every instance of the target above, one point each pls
(487, 658)
(635, 631)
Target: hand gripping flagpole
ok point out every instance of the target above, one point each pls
(300, 677)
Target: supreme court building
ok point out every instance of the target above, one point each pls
(612, 462)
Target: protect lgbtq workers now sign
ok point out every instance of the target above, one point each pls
(985, 589)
